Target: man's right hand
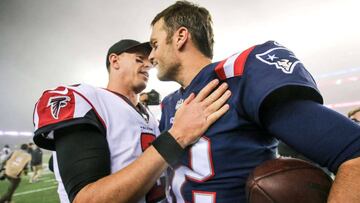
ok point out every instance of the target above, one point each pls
(197, 113)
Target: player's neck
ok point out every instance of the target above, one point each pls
(131, 95)
(190, 67)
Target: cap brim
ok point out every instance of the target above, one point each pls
(145, 47)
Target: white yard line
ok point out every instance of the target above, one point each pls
(50, 180)
(32, 191)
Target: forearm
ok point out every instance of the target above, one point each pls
(132, 182)
(127, 185)
(346, 187)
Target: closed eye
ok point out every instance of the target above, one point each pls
(153, 44)
(139, 59)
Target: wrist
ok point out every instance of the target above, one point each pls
(166, 145)
(177, 136)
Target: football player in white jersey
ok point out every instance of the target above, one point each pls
(107, 145)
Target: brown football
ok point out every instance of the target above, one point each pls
(287, 180)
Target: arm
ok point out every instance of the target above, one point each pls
(132, 182)
(346, 187)
(324, 136)
(26, 168)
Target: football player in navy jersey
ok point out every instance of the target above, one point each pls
(273, 97)
(107, 145)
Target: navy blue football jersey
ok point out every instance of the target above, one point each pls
(215, 169)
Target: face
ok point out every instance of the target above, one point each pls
(356, 117)
(133, 70)
(143, 98)
(163, 53)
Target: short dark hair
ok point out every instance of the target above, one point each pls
(195, 18)
(24, 147)
(354, 111)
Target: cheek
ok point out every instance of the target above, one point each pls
(158, 54)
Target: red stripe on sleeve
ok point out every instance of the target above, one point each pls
(240, 61)
(219, 69)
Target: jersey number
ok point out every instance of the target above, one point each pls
(200, 169)
(157, 192)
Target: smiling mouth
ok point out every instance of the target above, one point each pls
(146, 74)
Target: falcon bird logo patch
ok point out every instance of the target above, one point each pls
(56, 103)
(281, 58)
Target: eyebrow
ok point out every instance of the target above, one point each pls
(152, 41)
(141, 55)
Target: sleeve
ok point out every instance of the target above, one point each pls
(60, 108)
(81, 164)
(272, 72)
(319, 133)
(162, 118)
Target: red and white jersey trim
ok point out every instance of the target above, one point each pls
(124, 125)
(233, 66)
(59, 105)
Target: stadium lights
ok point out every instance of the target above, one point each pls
(26, 133)
(340, 72)
(342, 105)
(13, 133)
(338, 81)
(16, 133)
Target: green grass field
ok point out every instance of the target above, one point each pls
(43, 191)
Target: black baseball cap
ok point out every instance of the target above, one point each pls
(127, 45)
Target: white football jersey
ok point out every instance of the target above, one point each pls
(128, 132)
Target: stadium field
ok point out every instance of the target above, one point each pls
(43, 191)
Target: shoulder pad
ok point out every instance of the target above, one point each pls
(233, 66)
(58, 105)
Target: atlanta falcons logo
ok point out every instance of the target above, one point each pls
(281, 58)
(56, 103)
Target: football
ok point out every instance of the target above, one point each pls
(287, 180)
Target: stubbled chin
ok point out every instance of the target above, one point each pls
(144, 77)
(163, 76)
(141, 87)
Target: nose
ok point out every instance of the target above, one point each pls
(148, 65)
(151, 56)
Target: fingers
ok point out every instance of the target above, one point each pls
(218, 103)
(215, 95)
(216, 115)
(206, 90)
(189, 98)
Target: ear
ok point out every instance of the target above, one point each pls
(182, 35)
(113, 59)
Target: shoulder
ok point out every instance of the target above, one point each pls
(170, 98)
(268, 53)
(62, 107)
(63, 103)
(273, 54)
